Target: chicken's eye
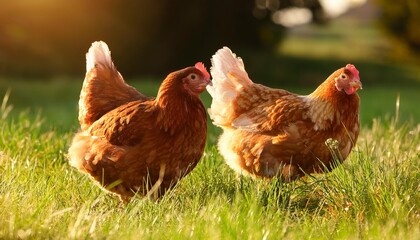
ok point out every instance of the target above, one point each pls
(343, 76)
(193, 76)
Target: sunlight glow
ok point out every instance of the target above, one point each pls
(290, 17)
(294, 16)
(334, 8)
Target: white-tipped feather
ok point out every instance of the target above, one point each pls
(98, 54)
(229, 77)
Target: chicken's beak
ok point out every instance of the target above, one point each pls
(356, 83)
(205, 83)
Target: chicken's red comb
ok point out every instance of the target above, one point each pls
(353, 70)
(200, 66)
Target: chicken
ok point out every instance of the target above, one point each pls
(131, 144)
(271, 132)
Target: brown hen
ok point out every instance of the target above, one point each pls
(272, 132)
(132, 144)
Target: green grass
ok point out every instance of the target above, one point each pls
(374, 195)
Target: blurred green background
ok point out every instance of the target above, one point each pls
(291, 44)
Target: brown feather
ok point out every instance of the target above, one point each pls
(103, 90)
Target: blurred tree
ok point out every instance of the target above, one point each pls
(44, 37)
(186, 31)
(401, 20)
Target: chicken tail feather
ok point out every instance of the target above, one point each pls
(98, 54)
(103, 88)
(229, 77)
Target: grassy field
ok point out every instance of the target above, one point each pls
(374, 195)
